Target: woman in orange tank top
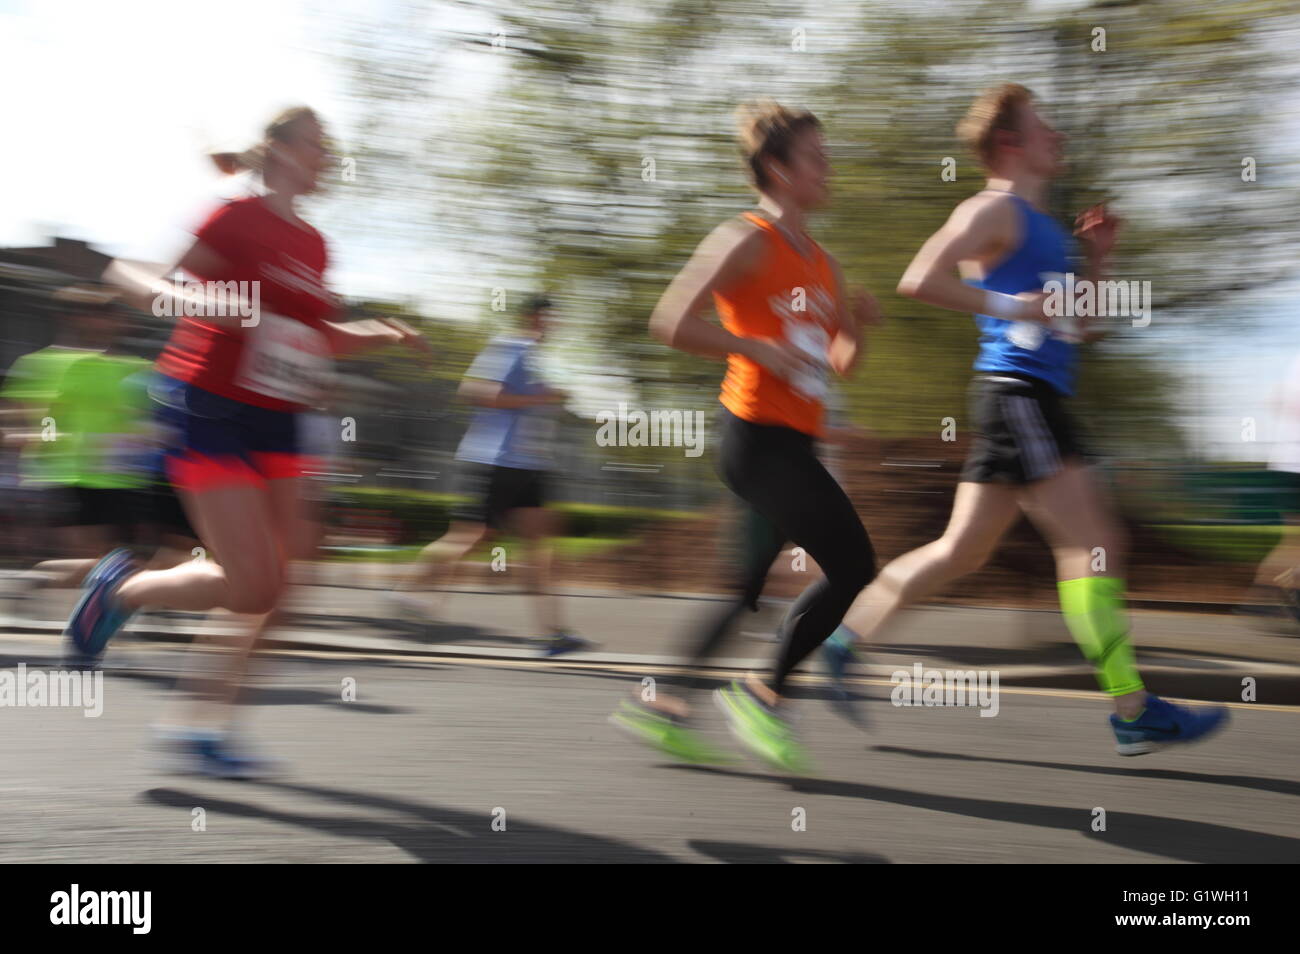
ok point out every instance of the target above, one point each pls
(785, 326)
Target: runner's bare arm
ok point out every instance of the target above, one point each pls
(484, 393)
(367, 334)
(857, 311)
(724, 259)
(1090, 328)
(979, 231)
(845, 349)
(364, 334)
(159, 295)
(1097, 229)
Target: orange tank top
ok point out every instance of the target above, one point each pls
(789, 299)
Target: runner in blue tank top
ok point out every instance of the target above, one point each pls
(1027, 347)
(1025, 454)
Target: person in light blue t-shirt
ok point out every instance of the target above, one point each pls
(502, 464)
(513, 427)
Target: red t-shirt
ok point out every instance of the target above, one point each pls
(287, 260)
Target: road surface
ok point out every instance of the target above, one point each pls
(431, 753)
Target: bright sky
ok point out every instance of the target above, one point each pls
(107, 116)
(111, 149)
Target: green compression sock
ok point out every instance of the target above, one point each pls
(1094, 610)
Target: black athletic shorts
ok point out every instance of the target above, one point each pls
(105, 507)
(51, 505)
(1023, 432)
(161, 508)
(127, 511)
(492, 492)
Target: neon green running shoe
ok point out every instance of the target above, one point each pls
(761, 730)
(666, 734)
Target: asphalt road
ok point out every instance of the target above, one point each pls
(430, 753)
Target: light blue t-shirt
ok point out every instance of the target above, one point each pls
(509, 437)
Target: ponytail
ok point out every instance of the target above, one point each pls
(279, 129)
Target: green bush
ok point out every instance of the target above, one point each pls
(1229, 543)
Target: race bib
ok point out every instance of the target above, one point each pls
(1066, 327)
(810, 338)
(1026, 334)
(286, 360)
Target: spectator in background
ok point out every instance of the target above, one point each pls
(90, 465)
(79, 427)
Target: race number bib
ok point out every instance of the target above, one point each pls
(810, 338)
(1067, 327)
(1026, 334)
(286, 360)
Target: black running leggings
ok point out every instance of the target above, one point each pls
(775, 470)
(760, 544)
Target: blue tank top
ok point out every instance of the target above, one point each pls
(1021, 346)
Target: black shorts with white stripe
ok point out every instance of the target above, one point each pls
(1023, 432)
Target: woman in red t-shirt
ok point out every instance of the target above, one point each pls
(249, 354)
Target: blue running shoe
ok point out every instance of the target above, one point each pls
(1163, 723)
(97, 617)
(837, 658)
(559, 644)
(196, 752)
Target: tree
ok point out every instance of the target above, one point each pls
(596, 152)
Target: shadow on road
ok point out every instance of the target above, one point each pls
(1281, 786)
(1200, 842)
(434, 632)
(432, 835)
(276, 695)
(736, 853)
